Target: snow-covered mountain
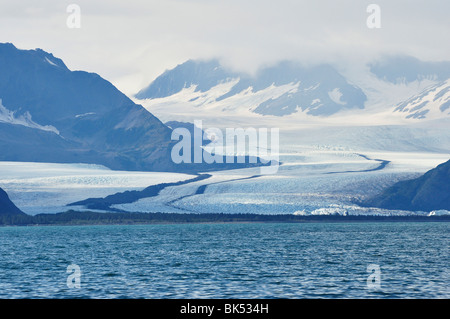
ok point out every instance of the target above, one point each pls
(280, 90)
(426, 82)
(380, 91)
(431, 103)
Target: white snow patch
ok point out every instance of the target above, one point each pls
(7, 116)
(441, 212)
(336, 96)
(84, 115)
(50, 62)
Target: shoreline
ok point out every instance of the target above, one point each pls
(75, 218)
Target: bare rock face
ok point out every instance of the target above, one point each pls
(7, 207)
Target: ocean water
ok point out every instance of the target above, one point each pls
(317, 260)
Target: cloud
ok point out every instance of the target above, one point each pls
(130, 43)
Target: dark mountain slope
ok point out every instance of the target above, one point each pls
(7, 207)
(426, 193)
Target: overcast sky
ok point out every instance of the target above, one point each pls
(131, 42)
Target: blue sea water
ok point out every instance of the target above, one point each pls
(317, 260)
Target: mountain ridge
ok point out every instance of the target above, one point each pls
(35, 84)
(318, 90)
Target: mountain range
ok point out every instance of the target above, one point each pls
(49, 113)
(288, 88)
(285, 88)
